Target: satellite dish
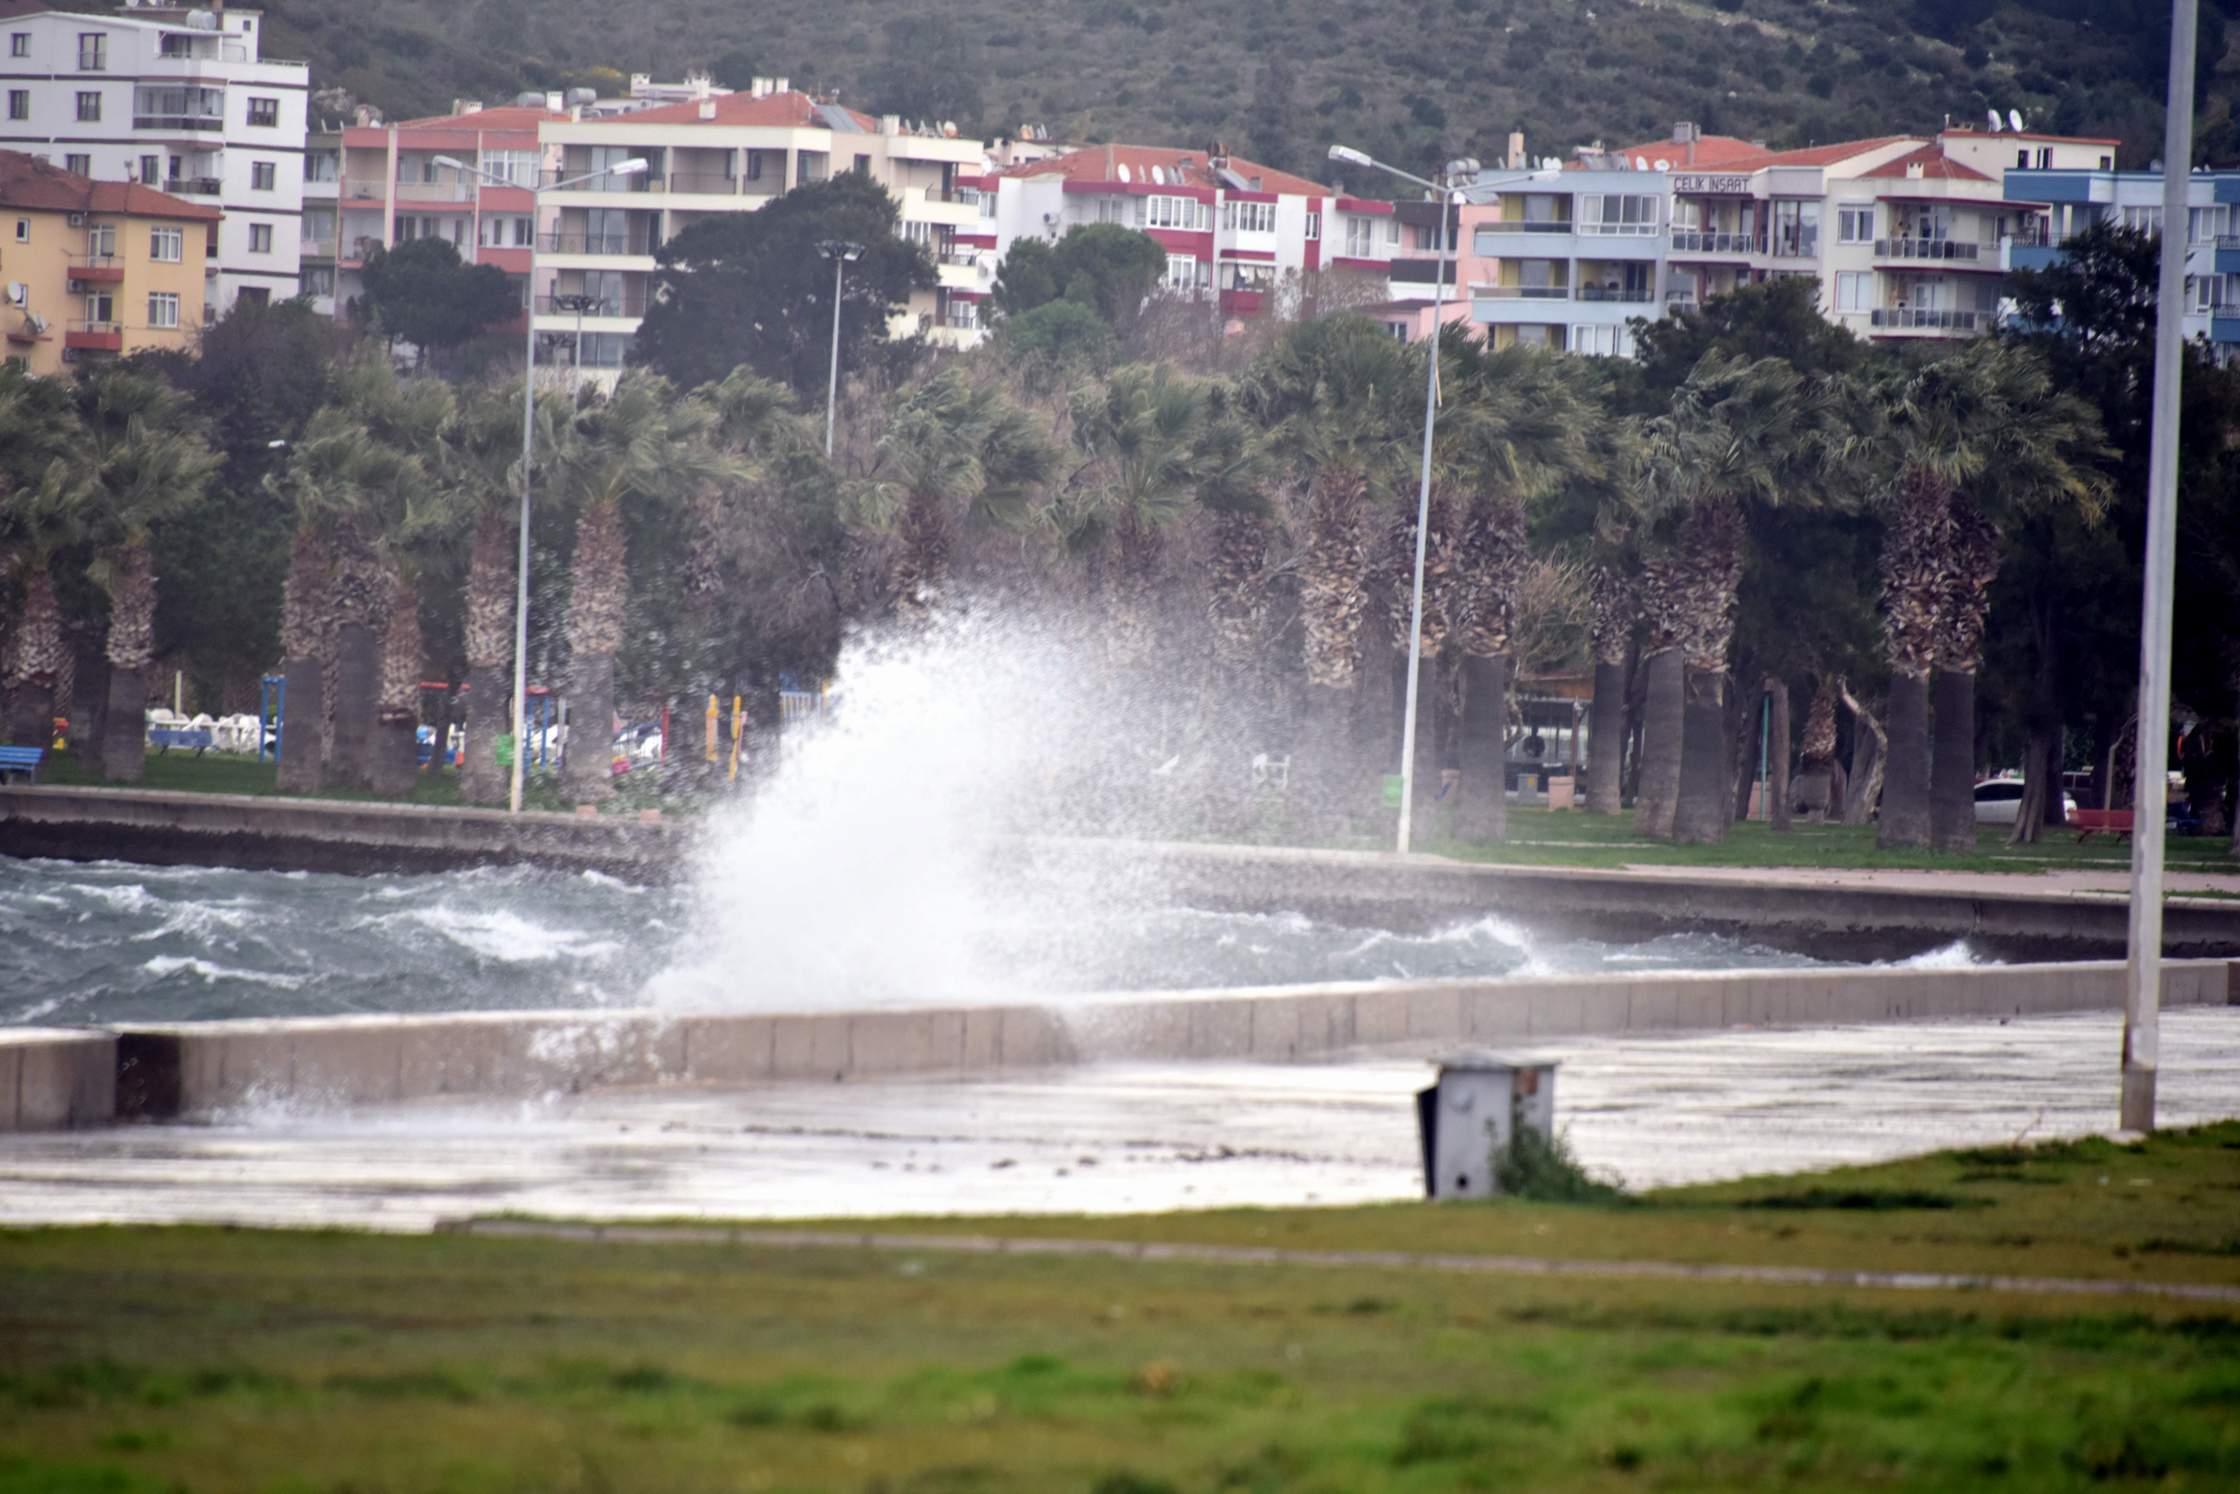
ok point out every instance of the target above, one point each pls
(1551, 163)
(38, 323)
(1124, 171)
(1663, 164)
(1641, 163)
(1159, 175)
(17, 290)
(2014, 119)
(1994, 115)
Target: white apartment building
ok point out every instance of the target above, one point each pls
(2077, 199)
(1235, 232)
(1908, 236)
(730, 153)
(177, 99)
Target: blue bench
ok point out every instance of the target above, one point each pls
(24, 760)
(164, 738)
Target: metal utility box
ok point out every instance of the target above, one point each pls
(1467, 1117)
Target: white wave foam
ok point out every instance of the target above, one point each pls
(507, 937)
(1958, 955)
(211, 974)
(131, 897)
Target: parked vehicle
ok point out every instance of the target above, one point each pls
(1999, 801)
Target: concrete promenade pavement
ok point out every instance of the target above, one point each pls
(1113, 1138)
(2063, 883)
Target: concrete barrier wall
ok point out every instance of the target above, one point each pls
(212, 1066)
(52, 1079)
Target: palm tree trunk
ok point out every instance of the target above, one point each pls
(1705, 807)
(1870, 760)
(489, 649)
(1952, 761)
(35, 660)
(1663, 721)
(303, 711)
(598, 595)
(1905, 788)
(393, 764)
(588, 767)
(1777, 755)
(1606, 739)
(1481, 811)
(130, 646)
(124, 727)
(89, 698)
(357, 686)
(1333, 606)
(31, 713)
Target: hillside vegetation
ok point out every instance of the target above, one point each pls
(1281, 79)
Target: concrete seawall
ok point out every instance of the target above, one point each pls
(161, 1072)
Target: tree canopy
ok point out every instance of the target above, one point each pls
(422, 292)
(1102, 266)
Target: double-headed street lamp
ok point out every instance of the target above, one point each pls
(637, 166)
(842, 254)
(1449, 197)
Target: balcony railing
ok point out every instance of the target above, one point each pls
(193, 186)
(592, 243)
(1628, 295)
(605, 181)
(1708, 241)
(178, 121)
(317, 248)
(1928, 319)
(1523, 292)
(631, 303)
(713, 183)
(968, 259)
(1523, 226)
(436, 191)
(1937, 249)
(97, 267)
(97, 326)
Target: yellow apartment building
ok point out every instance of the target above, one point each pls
(92, 270)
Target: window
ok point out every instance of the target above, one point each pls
(1186, 272)
(964, 315)
(1796, 229)
(163, 308)
(89, 105)
(1360, 236)
(263, 175)
(516, 166)
(1616, 213)
(919, 233)
(1853, 290)
(863, 164)
(1392, 230)
(177, 46)
(1249, 217)
(78, 165)
(1176, 212)
(23, 230)
(19, 103)
(1602, 342)
(318, 280)
(151, 171)
(1114, 210)
(264, 111)
(2143, 219)
(19, 44)
(1534, 336)
(260, 238)
(101, 241)
(252, 295)
(101, 308)
(2213, 292)
(2205, 225)
(194, 108)
(1314, 226)
(93, 52)
(166, 245)
(506, 231)
(1855, 225)
(1251, 277)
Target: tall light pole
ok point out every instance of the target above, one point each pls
(2142, 976)
(1450, 198)
(842, 254)
(578, 302)
(633, 167)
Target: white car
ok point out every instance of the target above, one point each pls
(1999, 801)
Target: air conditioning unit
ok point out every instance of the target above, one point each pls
(69, 353)
(76, 220)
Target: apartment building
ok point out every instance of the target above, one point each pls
(730, 153)
(1241, 235)
(2077, 199)
(1908, 236)
(92, 270)
(387, 189)
(177, 100)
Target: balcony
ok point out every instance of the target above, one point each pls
(316, 248)
(1622, 295)
(97, 269)
(1521, 292)
(1928, 319)
(1965, 250)
(563, 303)
(594, 243)
(706, 183)
(1710, 241)
(425, 192)
(604, 181)
(193, 186)
(179, 123)
(1422, 270)
(93, 336)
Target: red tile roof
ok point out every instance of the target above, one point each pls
(28, 182)
(1711, 150)
(1829, 155)
(1935, 167)
(506, 117)
(1102, 163)
(2031, 135)
(791, 109)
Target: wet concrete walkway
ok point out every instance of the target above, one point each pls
(1648, 1110)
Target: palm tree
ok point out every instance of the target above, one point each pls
(641, 445)
(1978, 433)
(304, 645)
(1615, 612)
(140, 462)
(1517, 428)
(1664, 695)
(38, 518)
(1737, 432)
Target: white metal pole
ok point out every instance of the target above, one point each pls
(832, 387)
(2142, 984)
(1448, 202)
(521, 557)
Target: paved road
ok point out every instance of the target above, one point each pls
(1114, 1139)
(2039, 884)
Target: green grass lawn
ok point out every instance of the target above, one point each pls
(190, 1359)
(225, 773)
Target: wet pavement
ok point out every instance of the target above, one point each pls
(1114, 1139)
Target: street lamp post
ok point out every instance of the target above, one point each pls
(1449, 198)
(633, 167)
(842, 254)
(579, 303)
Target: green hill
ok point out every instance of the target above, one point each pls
(1280, 79)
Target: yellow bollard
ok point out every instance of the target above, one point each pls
(738, 733)
(711, 728)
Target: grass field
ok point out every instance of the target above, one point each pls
(164, 1360)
